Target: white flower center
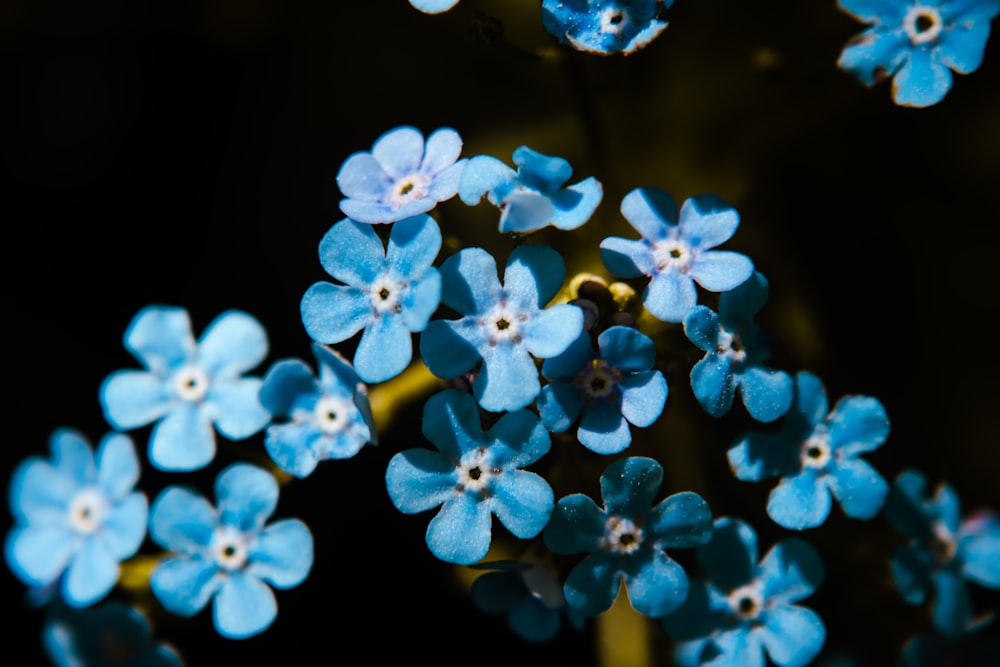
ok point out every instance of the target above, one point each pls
(746, 601)
(922, 24)
(614, 20)
(730, 345)
(503, 325)
(191, 383)
(87, 510)
(673, 254)
(598, 379)
(408, 188)
(815, 451)
(475, 472)
(621, 535)
(332, 414)
(384, 294)
(229, 547)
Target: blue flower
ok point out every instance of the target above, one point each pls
(402, 176)
(533, 197)
(433, 6)
(735, 350)
(110, 635)
(227, 553)
(188, 387)
(943, 551)
(674, 253)
(746, 608)
(76, 517)
(503, 325)
(611, 389)
(473, 475)
(388, 293)
(328, 417)
(817, 453)
(626, 539)
(918, 43)
(605, 26)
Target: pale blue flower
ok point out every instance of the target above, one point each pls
(433, 6)
(605, 26)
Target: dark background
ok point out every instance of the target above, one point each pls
(185, 153)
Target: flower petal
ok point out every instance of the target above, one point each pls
(285, 384)
(117, 465)
(233, 343)
(979, 546)
(553, 330)
(858, 424)
(333, 313)
(670, 295)
(681, 521)
(800, 501)
(533, 275)
(508, 379)
(627, 258)
(399, 151)
(160, 337)
(469, 281)
(181, 520)
(767, 394)
(443, 147)
(245, 606)
(720, 270)
(92, 573)
(419, 479)
(791, 570)
(650, 211)
(461, 531)
(629, 486)
(282, 555)
(445, 352)
(414, 243)
(522, 501)
(592, 585)
(362, 177)
(627, 349)
(559, 404)
(729, 559)
(963, 44)
(38, 554)
(235, 408)
(576, 525)
(385, 350)
(182, 440)
(603, 429)
(792, 635)
(185, 585)
(922, 81)
(246, 496)
(352, 253)
(484, 175)
(657, 585)
(643, 396)
(713, 384)
(124, 527)
(131, 399)
(859, 488)
(707, 221)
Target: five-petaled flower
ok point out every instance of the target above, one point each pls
(328, 417)
(611, 388)
(534, 196)
(473, 475)
(735, 351)
(676, 252)
(627, 538)
(746, 608)
(918, 43)
(503, 325)
(816, 454)
(943, 551)
(388, 293)
(227, 554)
(76, 517)
(401, 176)
(605, 26)
(188, 387)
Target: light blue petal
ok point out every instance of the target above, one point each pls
(592, 585)
(245, 606)
(713, 384)
(552, 330)
(40, 493)
(952, 606)
(525, 211)
(791, 570)
(858, 424)
(541, 172)
(670, 295)
(758, 456)
(352, 253)
(235, 408)
(461, 531)
(419, 479)
(793, 636)
(285, 384)
(533, 275)
(282, 555)
(376, 213)
(445, 183)
(333, 313)
(681, 521)
(644, 395)
(483, 175)
(385, 350)
(650, 211)
(627, 258)
(729, 559)
(603, 429)
(739, 647)
(336, 377)
(922, 81)
(570, 361)
(629, 486)
(246, 496)
(740, 305)
(767, 394)
(469, 281)
(655, 586)
(160, 337)
(979, 549)
(413, 245)
(291, 447)
(859, 488)
(445, 352)
(362, 177)
(508, 379)
(874, 54)
(962, 45)
(889, 12)
(559, 404)
(627, 349)
(233, 343)
(810, 398)
(399, 151)
(117, 465)
(131, 399)
(451, 422)
(181, 520)
(185, 585)
(586, 196)
(442, 148)
(707, 221)
(701, 326)
(183, 440)
(38, 554)
(92, 573)
(576, 525)
(71, 454)
(799, 502)
(124, 527)
(519, 439)
(522, 501)
(720, 270)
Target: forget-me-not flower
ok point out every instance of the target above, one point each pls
(746, 608)
(387, 292)
(433, 6)
(943, 551)
(76, 516)
(735, 352)
(676, 252)
(402, 175)
(605, 26)
(918, 43)
(817, 454)
(328, 417)
(607, 389)
(534, 196)
(188, 387)
(503, 325)
(626, 540)
(473, 475)
(227, 554)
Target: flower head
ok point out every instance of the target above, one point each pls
(735, 352)
(817, 454)
(605, 26)
(607, 389)
(227, 554)
(744, 608)
(388, 293)
(76, 516)
(328, 417)
(188, 387)
(918, 43)
(472, 476)
(627, 538)
(402, 176)
(111, 634)
(503, 325)
(534, 196)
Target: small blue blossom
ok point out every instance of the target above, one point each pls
(918, 43)
(227, 554)
(817, 454)
(943, 551)
(188, 387)
(76, 516)
(605, 26)
(676, 253)
(744, 608)
(433, 6)
(627, 538)
(402, 176)
(110, 635)
(472, 476)
(503, 324)
(388, 293)
(328, 417)
(534, 196)
(735, 351)
(611, 389)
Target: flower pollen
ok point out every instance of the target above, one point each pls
(191, 384)
(622, 535)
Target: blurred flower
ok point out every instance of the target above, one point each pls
(533, 197)
(227, 553)
(817, 453)
(110, 635)
(433, 6)
(605, 26)
(676, 253)
(917, 43)
(746, 608)
(76, 517)
(388, 293)
(626, 539)
(473, 475)
(188, 387)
